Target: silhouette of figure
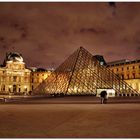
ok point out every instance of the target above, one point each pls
(103, 95)
(105, 98)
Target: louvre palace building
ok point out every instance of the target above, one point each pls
(16, 79)
(80, 73)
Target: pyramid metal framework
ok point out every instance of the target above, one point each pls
(81, 73)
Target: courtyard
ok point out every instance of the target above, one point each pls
(69, 120)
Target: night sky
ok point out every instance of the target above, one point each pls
(47, 33)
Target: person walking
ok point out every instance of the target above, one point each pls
(103, 95)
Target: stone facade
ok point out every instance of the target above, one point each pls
(16, 79)
(38, 76)
(128, 71)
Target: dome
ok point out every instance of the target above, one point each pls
(14, 56)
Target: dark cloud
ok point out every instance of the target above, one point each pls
(23, 35)
(2, 39)
(22, 29)
(5, 47)
(3, 44)
(83, 30)
(92, 30)
(13, 40)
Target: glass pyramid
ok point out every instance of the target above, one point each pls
(81, 73)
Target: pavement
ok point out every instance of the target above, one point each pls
(69, 120)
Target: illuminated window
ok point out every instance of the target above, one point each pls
(3, 87)
(9, 89)
(19, 79)
(128, 76)
(26, 79)
(2, 79)
(25, 89)
(122, 76)
(134, 75)
(14, 78)
(37, 80)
